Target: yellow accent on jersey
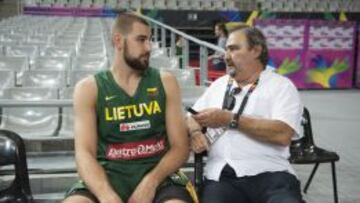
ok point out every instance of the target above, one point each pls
(151, 90)
(129, 111)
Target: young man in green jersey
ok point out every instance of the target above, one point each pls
(130, 135)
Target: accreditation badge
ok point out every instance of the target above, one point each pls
(213, 134)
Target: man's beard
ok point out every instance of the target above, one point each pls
(136, 63)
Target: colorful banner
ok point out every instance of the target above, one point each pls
(286, 42)
(61, 11)
(330, 54)
(314, 54)
(329, 69)
(357, 72)
(290, 64)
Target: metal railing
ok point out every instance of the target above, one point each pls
(203, 46)
(43, 103)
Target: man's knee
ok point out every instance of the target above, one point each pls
(77, 199)
(173, 194)
(174, 201)
(285, 198)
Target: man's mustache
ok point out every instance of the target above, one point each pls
(147, 55)
(229, 62)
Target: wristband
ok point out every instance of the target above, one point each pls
(234, 123)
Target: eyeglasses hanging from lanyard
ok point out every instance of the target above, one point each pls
(230, 100)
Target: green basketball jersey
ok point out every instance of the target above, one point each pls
(131, 129)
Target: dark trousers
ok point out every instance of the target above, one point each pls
(269, 187)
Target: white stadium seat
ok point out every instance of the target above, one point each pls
(30, 122)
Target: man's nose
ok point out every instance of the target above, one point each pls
(227, 57)
(148, 46)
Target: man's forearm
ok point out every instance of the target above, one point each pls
(192, 125)
(171, 162)
(93, 174)
(266, 130)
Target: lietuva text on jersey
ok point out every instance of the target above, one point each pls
(136, 110)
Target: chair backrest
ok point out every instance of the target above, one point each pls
(306, 143)
(55, 51)
(90, 63)
(12, 152)
(14, 63)
(172, 4)
(76, 75)
(7, 79)
(39, 38)
(29, 51)
(51, 63)
(44, 78)
(31, 122)
(306, 123)
(92, 51)
(18, 38)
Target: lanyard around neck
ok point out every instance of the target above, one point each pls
(244, 101)
(246, 98)
(227, 92)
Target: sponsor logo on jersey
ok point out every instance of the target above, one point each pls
(108, 98)
(135, 150)
(140, 125)
(129, 111)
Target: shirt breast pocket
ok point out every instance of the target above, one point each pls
(259, 106)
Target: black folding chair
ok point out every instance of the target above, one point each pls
(198, 171)
(12, 152)
(304, 151)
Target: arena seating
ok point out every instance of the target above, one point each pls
(43, 62)
(49, 62)
(38, 52)
(208, 5)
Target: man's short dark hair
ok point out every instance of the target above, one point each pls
(124, 22)
(254, 38)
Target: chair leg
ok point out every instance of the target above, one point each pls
(198, 172)
(311, 177)
(334, 181)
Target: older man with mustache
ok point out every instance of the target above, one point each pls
(251, 115)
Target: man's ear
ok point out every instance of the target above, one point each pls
(116, 39)
(257, 51)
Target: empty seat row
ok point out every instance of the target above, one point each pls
(43, 78)
(35, 122)
(38, 122)
(59, 60)
(134, 4)
(22, 63)
(66, 48)
(51, 78)
(310, 5)
(79, 34)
